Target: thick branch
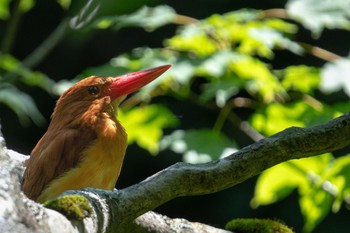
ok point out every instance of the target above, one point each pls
(187, 179)
(115, 211)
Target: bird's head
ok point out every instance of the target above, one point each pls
(96, 95)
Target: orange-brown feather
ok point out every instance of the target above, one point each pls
(83, 133)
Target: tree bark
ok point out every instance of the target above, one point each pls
(116, 211)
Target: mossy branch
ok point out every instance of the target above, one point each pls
(183, 179)
(115, 211)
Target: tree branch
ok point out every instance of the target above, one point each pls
(115, 211)
(183, 179)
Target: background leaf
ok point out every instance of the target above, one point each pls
(145, 125)
(318, 15)
(148, 18)
(22, 104)
(335, 76)
(199, 146)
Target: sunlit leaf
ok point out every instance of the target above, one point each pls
(198, 146)
(241, 30)
(276, 117)
(335, 76)
(317, 15)
(279, 181)
(275, 184)
(149, 18)
(217, 64)
(145, 125)
(4, 9)
(305, 175)
(339, 176)
(259, 79)
(64, 3)
(301, 78)
(264, 39)
(26, 5)
(315, 205)
(193, 38)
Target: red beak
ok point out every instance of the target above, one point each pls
(129, 83)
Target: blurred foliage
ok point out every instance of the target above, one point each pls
(318, 15)
(145, 123)
(223, 63)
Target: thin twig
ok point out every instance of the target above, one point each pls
(275, 13)
(319, 52)
(184, 20)
(12, 28)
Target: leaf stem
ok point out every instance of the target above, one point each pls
(319, 52)
(12, 28)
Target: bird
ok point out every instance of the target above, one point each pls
(85, 144)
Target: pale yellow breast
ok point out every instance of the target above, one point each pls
(100, 167)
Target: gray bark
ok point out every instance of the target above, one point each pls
(116, 211)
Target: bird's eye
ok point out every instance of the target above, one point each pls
(93, 90)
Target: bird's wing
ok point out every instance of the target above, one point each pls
(54, 154)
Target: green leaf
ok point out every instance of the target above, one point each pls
(335, 76)
(262, 40)
(193, 38)
(217, 64)
(306, 175)
(22, 104)
(259, 79)
(241, 30)
(4, 9)
(149, 18)
(145, 125)
(279, 181)
(301, 78)
(26, 5)
(199, 146)
(315, 205)
(221, 91)
(339, 176)
(64, 3)
(277, 117)
(317, 15)
(17, 72)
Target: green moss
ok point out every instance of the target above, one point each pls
(74, 207)
(257, 226)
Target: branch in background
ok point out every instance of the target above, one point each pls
(319, 52)
(311, 49)
(275, 13)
